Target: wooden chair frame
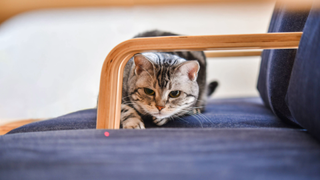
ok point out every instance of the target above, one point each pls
(111, 77)
(112, 71)
(109, 104)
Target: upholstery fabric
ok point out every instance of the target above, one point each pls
(223, 113)
(276, 65)
(193, 153)
(304, 88)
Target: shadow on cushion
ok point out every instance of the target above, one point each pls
(220, 113)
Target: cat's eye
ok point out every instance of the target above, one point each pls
(149, 91)
(174, 94)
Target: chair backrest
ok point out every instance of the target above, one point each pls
(303, 96)
(276, 65)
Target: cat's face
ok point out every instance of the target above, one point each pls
(163, 85)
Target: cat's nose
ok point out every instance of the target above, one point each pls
(160, 107)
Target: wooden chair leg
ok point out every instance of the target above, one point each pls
(15, 124)
(109, 104)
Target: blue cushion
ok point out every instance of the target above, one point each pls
(193, 153)
(304, 88)
(276, 65)
(223, 113)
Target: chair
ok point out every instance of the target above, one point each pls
(237, 138)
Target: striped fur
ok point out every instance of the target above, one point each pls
(163, 73)
(130, 119)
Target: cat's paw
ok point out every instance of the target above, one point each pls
(196, 111)
(133, 123)
(160, 122)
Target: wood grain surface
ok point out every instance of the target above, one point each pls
(12, 125)
(212, 54)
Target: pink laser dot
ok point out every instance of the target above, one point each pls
(106, 134)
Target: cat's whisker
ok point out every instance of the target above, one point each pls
(191, 112)
(186, 111)
(199, 120)
(183, 120)
(171, 118)
(197, 107)
(206, 118)
(175, 116)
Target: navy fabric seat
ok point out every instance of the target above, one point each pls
(192, 153)
(304, 88)
(276, 65)
(233, 139)
(224, 113)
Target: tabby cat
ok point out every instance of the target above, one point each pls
(163, 85)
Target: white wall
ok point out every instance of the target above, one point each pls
(50, 60)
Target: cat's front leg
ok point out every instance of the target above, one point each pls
(160, 122)
(130, 119)
(196, 111)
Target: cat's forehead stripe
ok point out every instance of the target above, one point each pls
(164, 63)
(164, 76)
(164, 58)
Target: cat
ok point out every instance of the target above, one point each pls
(163, 85)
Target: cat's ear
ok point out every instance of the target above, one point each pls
(190, 68)
(142, 64)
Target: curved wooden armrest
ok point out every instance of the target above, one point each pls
(216, 54)
(109, 104)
